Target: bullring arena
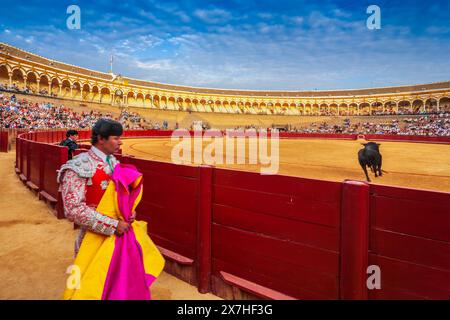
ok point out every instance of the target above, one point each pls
(227, 231)
(408, 164)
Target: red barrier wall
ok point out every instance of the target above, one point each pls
(277, 230)
(4, 142)
(172, 195)
(410, 242)
(34, 158)
(25, 157)
(53, 157)
(408, 138)
(318, 135)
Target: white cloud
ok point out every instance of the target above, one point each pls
(265, 15)
(213, 16)
(150, 16)
(162, 64)
(175, 11)
(29, 39)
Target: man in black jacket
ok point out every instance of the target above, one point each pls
(70, 141)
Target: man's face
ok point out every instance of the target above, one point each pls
(110, 145)
(74, 137)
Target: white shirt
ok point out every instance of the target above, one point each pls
(99, 154)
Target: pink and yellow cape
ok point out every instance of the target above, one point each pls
(118, 267)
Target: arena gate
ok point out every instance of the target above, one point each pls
(244, 235)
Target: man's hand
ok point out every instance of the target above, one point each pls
(133, 217)
(122, 227)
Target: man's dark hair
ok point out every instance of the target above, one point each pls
(105, 128)
(71, 133)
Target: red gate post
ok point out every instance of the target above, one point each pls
(354, 240)
(41, 167)
(204, 230)
(4, 142)
(28, 163)
(63, 157)
(21, 156)
(18, 142)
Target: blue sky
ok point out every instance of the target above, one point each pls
(264, 44)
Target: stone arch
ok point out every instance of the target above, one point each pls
(54, 86)
(333, 109)
(364, 108)
(418, 105)
(376, 107)
(65, 87)
(323, 109)
(343, 109)
(18, 77)
(32, 82)
(180, 104)
(404, 106)
(444, 104)
(308, 109)
(76, 90)
(85, 92)
(105, 95)
(430, 105)
(196, 105)
(300, 108)
(390, 107)
(148, 100)
(4, 74)
(171, 103)
(95, 93)
(44, 83)
(140, 99)
(163, 102)
(352, 109)
(131, 98)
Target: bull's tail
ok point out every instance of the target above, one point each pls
(384, 171)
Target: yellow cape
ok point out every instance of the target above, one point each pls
(88, 273)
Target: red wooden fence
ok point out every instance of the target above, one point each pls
(240, 234)
(410, 242)
(4, 142)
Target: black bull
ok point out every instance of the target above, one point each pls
(370, 157)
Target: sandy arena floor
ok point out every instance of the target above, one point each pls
(413, 165)
(36, 248)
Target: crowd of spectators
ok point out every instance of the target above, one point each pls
(24, 114)
(428, 125)
(14, 88)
